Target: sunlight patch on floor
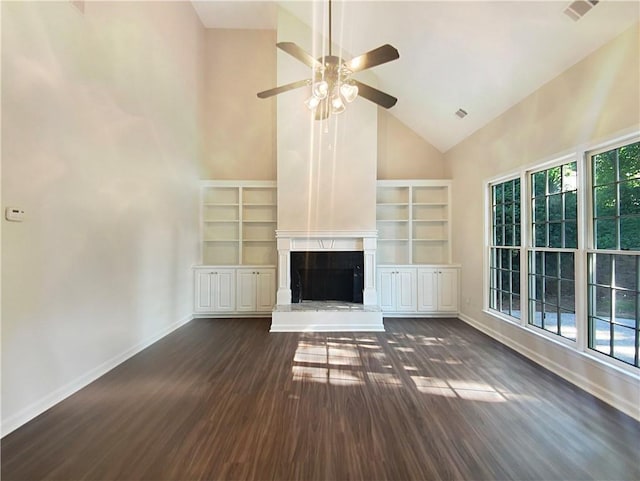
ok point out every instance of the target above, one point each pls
(468, 390)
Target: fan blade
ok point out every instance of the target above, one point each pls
(297, 52)
(375, 57)
(283, 88)
(374, 95)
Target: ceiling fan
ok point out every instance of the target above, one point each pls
(332, 84)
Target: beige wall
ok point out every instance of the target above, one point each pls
(593, 100)
(326, 170)
(240, 129)
(403, 154)
(100, 143)
(239, 138)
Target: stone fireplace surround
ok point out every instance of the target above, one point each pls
(326, 316)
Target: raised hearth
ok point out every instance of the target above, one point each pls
(325, 316)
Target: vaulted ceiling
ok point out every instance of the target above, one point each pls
(480, 56)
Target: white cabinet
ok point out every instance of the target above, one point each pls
(255, 290)
(234, 290)
(438, 289)
(426, 291)
(214, 290)
(238, 223)
(397, 289)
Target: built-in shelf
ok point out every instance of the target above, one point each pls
(238, 223)
(412, 218)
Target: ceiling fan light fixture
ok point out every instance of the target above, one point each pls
(312, 102)
(337, 105)
(349, 91)
(331, 83)
(320, 90)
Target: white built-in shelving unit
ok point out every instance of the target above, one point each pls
(238, 223)
(412, 219)
(238, 257)
(415, 276)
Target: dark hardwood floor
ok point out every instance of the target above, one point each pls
(427, 400)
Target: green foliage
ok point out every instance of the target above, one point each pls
(616, 194)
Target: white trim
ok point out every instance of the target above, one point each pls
(599, 146)
(573, 156)
(325, 234)
(415, 183)
(580, 268)
(233, 315)
(238, 183)
(581, 154)
(525, 236)
(369, 320)
(504, 317)
(339, 327)
(627, 406)
(326, 241)
(538, 331)
(48, 401)
(422, 315)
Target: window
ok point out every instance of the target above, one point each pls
(614, 261)
(616, 198)
(505, 248)
(581, 265)
(554, 237)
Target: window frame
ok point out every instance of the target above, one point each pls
(492, 245)
(532, 249)
(590, 249)
(585, 244)
(489, 246)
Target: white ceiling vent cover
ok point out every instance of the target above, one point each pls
(578, 9)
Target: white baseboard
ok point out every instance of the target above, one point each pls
(38, 407)
(232, 315)
(627, 406)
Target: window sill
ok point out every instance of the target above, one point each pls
(593, 358)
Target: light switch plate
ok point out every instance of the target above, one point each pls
(14, 214)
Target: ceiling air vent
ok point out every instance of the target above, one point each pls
(578, 9)
(461, 113)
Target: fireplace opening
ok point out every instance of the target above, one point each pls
(327, 276)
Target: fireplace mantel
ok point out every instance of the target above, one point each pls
(343, 240)
(326, 316)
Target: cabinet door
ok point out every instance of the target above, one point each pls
(246, 290)
(405, 287)
(427, 290)
(386, 292)
(225, 290)
(448, 290)
(204, 301)
(265, 290)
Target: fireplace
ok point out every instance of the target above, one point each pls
(335, 272)
(327, 276)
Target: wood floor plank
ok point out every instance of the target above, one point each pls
(426, 400)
